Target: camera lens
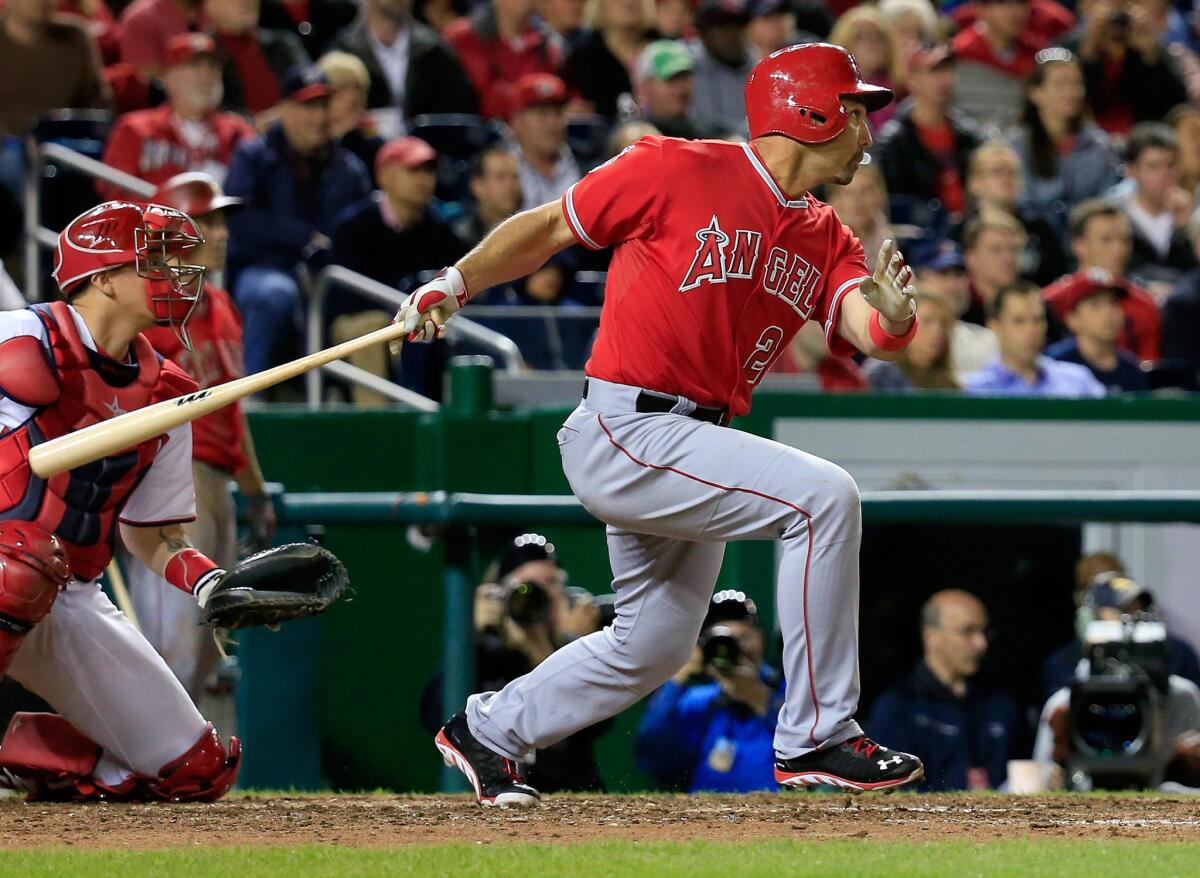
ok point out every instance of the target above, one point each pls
(527, 603)
(1111, 727)
(721, 649)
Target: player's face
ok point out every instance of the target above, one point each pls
(849, 147)
(127, 295)
(1098, 318)
(1021, 328)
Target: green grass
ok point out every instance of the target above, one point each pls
(776, 859)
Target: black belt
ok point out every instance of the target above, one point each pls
(651, 403)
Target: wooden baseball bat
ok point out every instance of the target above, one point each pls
(127, 430)
(121, 593)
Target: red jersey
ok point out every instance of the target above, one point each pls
(971, 44)
(216, 330)
(493, 64)
(156, 145)
(714, 268)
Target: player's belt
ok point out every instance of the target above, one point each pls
(653, 403)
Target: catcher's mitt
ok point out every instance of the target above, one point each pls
(283, 583)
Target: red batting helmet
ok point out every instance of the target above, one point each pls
(798, 91)
(195, 193)
(153, 239)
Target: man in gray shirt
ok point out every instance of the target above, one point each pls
(723, 61)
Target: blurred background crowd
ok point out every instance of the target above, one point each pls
(1040, 168)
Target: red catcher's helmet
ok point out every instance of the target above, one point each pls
(195, 193)
(798, 91)
(153, 239)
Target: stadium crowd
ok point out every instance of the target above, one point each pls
(1040, 170)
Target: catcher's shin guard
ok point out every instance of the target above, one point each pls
(33, 568)
(45, 756)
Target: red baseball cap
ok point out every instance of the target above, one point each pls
(930, 56)
(185, 48)
(1084, 285)
(538, 89)
(412, 152)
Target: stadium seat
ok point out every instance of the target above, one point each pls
(67, 193)
(457, 138)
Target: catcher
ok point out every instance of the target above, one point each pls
(125, 728)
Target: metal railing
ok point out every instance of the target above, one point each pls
(503, 347)
(37, 235)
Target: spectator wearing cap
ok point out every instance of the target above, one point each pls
(924, 150)
(1181, 314)
(928, 361)
(1101, 239)
(1092, 313)
(349, 123)
(147, 26)
(1018, 317)
(255, 60)
(862, 204)
(939, 270)
(724, 59)
(808, 354)
(1130, 76)
(664, 86)
(995, 55)
(1066, 157)
(992, 244)
(222, 447)
(392, 237)
(714, 733)
(995, 185)
(185, 133)
(539, 130)
(864, 32)
(772, 27)
(600, 70)
(50, 63)
(413, 71)
(1103, 589)
(295, 181)
(965, 730)
(498, 44)
(1156, 205)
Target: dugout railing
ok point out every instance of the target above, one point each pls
(462, 517)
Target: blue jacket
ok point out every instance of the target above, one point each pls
(287, 199)
(951, 735)
(695, 737)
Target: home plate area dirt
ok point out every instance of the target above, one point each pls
(385, 821)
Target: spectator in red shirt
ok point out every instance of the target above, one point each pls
(497, 44)
(924, 150)
(148, 25)
(255, 59)
(1048, 19)
(1101, 240)
(187, 132)
(995, 55)
(809, 353)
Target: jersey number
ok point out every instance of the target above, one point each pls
(765, 351)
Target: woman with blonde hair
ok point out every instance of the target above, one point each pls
(926, 364)
(601, 68)
(864, 32)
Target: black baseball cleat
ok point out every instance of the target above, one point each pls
(857, 765)
(497, 781)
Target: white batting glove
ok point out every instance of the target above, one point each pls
(425, 312)
(890, 289)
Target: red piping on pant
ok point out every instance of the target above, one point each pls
(808, 652)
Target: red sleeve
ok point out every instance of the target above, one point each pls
(846, 270)
(619, 200)
(140, 45)
(475, 64)
(124, 146)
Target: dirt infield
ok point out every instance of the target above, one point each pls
(379, 821)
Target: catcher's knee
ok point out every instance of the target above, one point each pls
(33, 569)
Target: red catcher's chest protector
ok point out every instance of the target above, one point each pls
(72, 387)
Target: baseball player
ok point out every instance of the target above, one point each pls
(720, 256)
(222, 448)
(125, 728)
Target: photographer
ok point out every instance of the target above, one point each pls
(522, 615)
(1124, 721)
(716, 735)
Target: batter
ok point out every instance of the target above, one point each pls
(720, 256)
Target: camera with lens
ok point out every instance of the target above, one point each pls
(1115, 726)
(720, 648)
(527, 603)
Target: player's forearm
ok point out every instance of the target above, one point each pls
(167, 551)
(517, 247)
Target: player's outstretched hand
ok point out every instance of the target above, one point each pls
(890, 289)
(425, 312)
